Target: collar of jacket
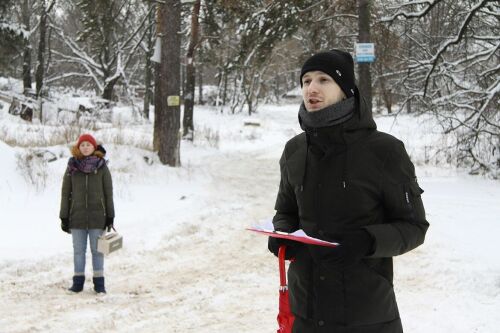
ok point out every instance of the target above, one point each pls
(331, 115)
(359, 125)
(337, 138)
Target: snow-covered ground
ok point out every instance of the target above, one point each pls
(189, 265)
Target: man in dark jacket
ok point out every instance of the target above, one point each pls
(344, 181)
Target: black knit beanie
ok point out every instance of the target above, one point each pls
(336, 63)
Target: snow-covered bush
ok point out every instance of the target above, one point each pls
(206, 136)
(32, 165)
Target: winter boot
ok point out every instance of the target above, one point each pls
(99, 285)
(78, 281)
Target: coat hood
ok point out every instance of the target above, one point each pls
(362, 119)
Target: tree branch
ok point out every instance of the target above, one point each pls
(408, 15)
(453, 41)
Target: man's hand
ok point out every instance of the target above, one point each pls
(354, 246)
(274, 244)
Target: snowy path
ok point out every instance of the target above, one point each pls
(210, 275)
(203, 277)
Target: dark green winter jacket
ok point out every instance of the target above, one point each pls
(342, 178)
(87, 199)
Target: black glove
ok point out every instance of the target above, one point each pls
(109, 223)
(354, 246)
(292, 247)
(65, 225)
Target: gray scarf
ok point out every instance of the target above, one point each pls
(331, 115)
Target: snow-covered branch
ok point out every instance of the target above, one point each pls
(336, 16)
(411, 14)
(67, 75)
(16, 28)
(453, 41)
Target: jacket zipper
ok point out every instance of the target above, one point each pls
(86, 198)
(86, 191)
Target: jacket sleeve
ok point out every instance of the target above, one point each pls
(287, 216)
(108, 192)
(405, 225)
(65, 196)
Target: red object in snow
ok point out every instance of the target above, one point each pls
(285, 316)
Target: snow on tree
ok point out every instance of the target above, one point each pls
(453, 72)
(109, 34)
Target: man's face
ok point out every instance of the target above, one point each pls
(320, 90)
(86, 148)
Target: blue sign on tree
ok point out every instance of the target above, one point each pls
(365, 52)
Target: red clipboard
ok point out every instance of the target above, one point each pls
(299, 236)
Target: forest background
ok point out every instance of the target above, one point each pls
(432, 56)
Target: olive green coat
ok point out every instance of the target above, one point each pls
(87, 199)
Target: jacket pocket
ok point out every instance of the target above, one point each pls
(376, 266)
(411, 191)
(299, 284)
(369, 297)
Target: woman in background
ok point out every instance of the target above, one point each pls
(87, 207)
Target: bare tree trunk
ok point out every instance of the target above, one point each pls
(386, 96)
(248, 87)
(224, 91)
(40, 69)
(364, 74)
(27, 48)
(277, 88)
(169, 81)
(188, 127)
(158, 104)
(41, 50)
(148, 67)
(147, 85)
(200, 85)
(39, 66)
(409, 44)
(108, 89)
